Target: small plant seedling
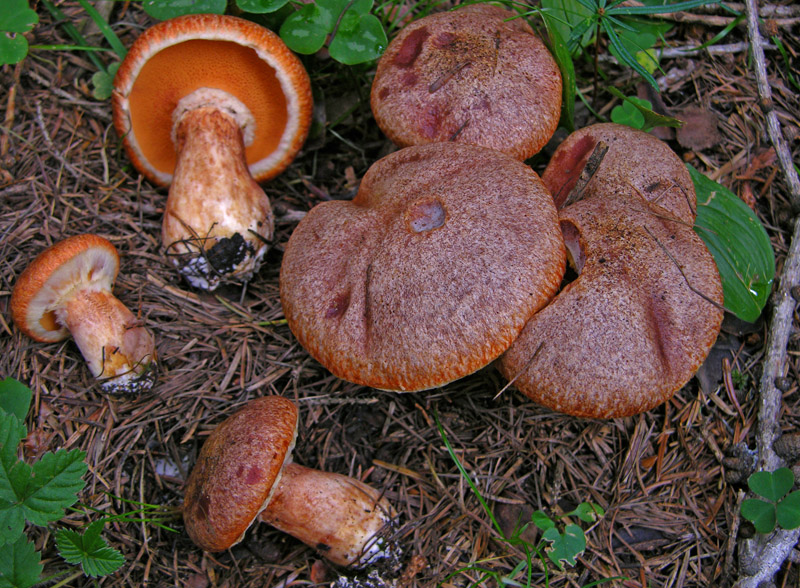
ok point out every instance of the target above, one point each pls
(777, 505)
(16, 18)
(38, 493)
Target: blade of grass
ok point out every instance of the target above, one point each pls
(70, 29)
(109, 34)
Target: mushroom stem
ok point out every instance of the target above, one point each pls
(342, 518)
(218, 220)
(117, 348)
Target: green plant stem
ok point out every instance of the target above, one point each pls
(72, 32)
(109, 34)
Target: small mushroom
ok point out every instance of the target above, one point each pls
(636, 323)
(66, 291)
(635, 161)
(209, 105)
(476, 75)
(429, 273)
(244, 471)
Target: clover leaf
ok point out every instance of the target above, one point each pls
(779, 507)
(16, 18)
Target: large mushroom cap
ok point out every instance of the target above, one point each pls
(237, 469)
(637, 322)
(179, 56)
(429, 273)
(472, 76)
(635, 160)
(87, 262)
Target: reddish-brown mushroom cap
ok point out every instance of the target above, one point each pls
(429, 273)
(67, 290)
(179, 56)
(472, 76)
(635, 160)
(237, 470)
(637, 322)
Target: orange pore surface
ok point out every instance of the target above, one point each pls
(180, 69)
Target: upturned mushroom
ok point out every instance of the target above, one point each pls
(476, 75)
(209, 105)
(245, 471)
(67, 290)
(646, 306)
(429, 273)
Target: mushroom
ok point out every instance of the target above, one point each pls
(636, 323)
(67, 290)
(635, 160)
(476, 75)
(429, 273)
(209, 105)
(244, 471)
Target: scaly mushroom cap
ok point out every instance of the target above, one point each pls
(67, 290)
(80, 262)
(637, 322)
(429, 273)
(237, 471)
(176, 57)
(469, 75)
(634, 159)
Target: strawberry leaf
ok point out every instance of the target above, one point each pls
(20, 564)
(89, 550)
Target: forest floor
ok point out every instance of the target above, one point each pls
(671, 518)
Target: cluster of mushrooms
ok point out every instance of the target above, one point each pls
(452, 255)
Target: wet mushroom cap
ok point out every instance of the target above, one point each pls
(634, 159)
(237, 470)
(634, 326)
(179, 56)
(82, 261)
(469, 75)
(429, 273)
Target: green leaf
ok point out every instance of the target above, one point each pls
(57, 479)
(542, 521)
(651, 119)
(305, 31)
(166, 9)
(20, 564)
(12, 431)
(565, 16)
(103, 82)
(772, 485)
(627, 114)
(89, 550)
(17, 17)
(560, 51)
(588, 512)
(13, 48)
(760, 513)
(360, 38)
(15, 398)
(788, 511)
(260, 6)
(739, 244)
(566, 546)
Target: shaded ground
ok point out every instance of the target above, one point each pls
(671, 517)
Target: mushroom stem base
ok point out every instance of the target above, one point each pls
(119, 351)
(217, 220)
(345, 520)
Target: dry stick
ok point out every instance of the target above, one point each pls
(761, 557)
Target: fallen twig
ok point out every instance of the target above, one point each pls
(763, 555)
